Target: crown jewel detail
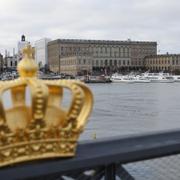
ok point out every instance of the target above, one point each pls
(42, 129)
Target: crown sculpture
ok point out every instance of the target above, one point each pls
(43, 129)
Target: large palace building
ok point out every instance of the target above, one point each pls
(78, 57)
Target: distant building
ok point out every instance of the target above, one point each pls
(105, 56)
(76, 65)
(41, 53)
(21, 44)
(163, 62)
(1, 63)
(10, 62)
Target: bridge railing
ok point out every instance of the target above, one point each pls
(97, 159)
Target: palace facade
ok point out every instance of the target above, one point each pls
(87, 56)
(163, 62)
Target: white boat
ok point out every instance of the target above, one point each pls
(159, 77)
(141, 79)
(145, 78)
(117, 78)
(176, 78)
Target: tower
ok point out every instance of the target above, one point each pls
(23, 38)
(21, 44)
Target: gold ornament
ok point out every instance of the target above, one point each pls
(43, 129)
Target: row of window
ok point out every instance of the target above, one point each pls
(144, 50)
(97, 54)
(159, 62)
(110, 62)
(115, 63)
(95, 51)
(75, 62)
(92, 49)
(100, 62)
(160, 68)
(13, 63)
(105, 50)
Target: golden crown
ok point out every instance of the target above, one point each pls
(44, 129)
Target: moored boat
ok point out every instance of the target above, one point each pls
(117, 78)
(176, 78)
(159, 77)
(95, 79)
(141, 79)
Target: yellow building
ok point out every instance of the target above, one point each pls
(163, 62)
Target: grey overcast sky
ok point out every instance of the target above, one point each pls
(152, 20)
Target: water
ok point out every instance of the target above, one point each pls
(125, 109)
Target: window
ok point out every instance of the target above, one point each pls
(125, 52)
(173, 61)
(121, 53)
(119, 62)
(84, 61)
(115, 62)
(97, 63)
(110, 62)
(124, 63)
(106, 62)
(101, 62)
(97, 53)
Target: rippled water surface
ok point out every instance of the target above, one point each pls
(124, 109)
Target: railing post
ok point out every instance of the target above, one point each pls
(123, 173)
(110, 172)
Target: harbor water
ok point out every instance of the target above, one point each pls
(125, 109)
(122, 109)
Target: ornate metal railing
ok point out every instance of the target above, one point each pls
(99, 158)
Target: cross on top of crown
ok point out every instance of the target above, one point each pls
(28, 51)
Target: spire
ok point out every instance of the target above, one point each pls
(23, 38)
(27, 66)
